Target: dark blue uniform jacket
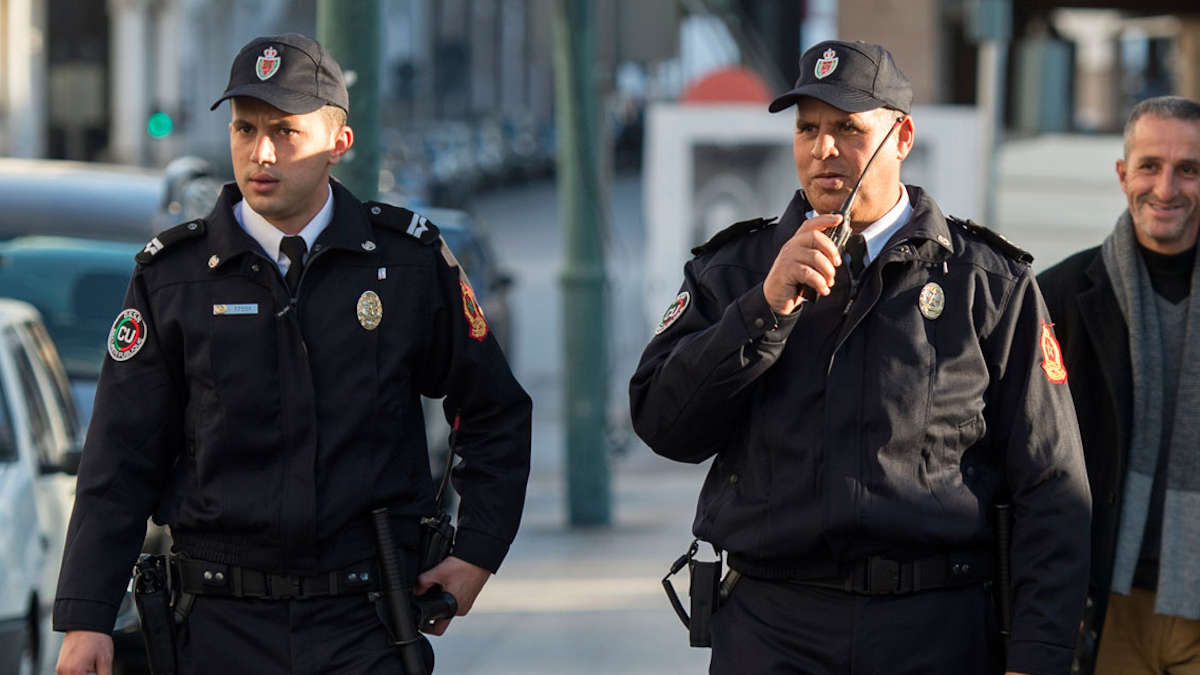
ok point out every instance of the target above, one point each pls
(265, 431)
(859, 427)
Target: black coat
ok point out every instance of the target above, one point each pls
(860, 427)
(264, 428)
(1095, 345)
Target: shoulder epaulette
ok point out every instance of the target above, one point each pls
(732, 232)
(167, 238)
(411, 223)
(994, 238)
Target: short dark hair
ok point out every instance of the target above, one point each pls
(334, 115)
(1165, 107)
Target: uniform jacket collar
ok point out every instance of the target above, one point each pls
(349, 230)
(927, 224)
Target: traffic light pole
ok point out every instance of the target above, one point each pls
(353, 33)
(585, 362)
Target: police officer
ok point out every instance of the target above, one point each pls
(860, 440)
(261, 397)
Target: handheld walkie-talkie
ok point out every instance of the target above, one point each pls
(841, 233)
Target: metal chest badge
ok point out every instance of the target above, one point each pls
(267, 64)
(826, 64)
(932, 300)
(370, 310)
(477, 326)
(128, 335)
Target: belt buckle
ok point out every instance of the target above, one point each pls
(883, 576)
(283, 587)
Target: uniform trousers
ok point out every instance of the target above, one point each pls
(232, 636)
(778, 628)
(1136, 641)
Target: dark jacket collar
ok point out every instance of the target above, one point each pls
(349, 229)
(926, 223)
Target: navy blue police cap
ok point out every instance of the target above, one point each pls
(850, 76)
(292, 72)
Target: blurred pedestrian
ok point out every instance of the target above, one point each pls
(1123, 310)
(262, 398)
(861, 436)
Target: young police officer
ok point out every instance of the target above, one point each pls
(261, 397)
(860, 440)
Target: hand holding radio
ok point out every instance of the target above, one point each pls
(808, 261)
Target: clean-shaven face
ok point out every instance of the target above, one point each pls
(281, 161)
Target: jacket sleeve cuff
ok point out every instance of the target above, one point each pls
(73, 614)
(480, 549)
(760, 320)
(1039, 658)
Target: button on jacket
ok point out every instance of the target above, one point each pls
(264, 428)
(864, 425)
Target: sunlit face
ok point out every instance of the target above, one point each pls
(1161, 179)
(281, 161)
(831, 147)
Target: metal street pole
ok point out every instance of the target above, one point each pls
(991, 28)
(353, 34)
(585, 361)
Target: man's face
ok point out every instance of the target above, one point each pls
(832, 146)
(281, 161)
(1161, 179)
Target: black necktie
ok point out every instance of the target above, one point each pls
(856, 252)
(294, 248)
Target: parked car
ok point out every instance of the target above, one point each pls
(100, 201)
(39, 454)
(78, 286)
(72, 230)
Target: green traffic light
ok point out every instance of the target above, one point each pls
(159, 125)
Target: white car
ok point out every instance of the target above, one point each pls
(39, 453)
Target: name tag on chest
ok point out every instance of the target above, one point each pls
(235, 310)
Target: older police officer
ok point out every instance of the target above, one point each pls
(261, 397)
(860, 439)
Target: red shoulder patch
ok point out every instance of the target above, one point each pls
(1052, 361)
(477, 325)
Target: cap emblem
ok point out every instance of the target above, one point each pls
(825, 65)
(267, 64)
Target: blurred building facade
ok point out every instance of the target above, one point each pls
(81, 78)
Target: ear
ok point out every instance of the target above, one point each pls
(1121, 172)
(905, 136)
(342, 141)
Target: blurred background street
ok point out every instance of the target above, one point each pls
(573, 214)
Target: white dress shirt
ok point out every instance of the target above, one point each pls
(268, 236)
(879, 232)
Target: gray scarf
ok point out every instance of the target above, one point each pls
(1179, 566)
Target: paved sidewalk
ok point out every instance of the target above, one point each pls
(587, 600)
(580, 600)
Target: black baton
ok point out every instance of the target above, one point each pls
(397, 596)
(1003, 569)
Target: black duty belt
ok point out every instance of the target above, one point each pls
(878, 575)
(201, 577)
